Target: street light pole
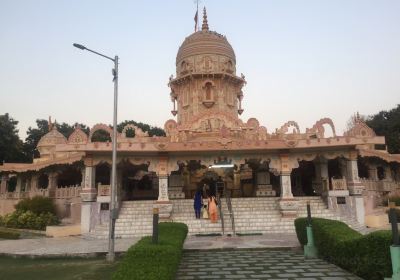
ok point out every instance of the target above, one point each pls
(113, 210)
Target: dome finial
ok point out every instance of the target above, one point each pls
(205, 22)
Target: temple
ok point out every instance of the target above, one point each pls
(264, 177)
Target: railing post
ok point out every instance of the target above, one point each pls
(310, 251)
(395, 247)
(155, 226)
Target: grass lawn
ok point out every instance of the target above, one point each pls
(50, 268)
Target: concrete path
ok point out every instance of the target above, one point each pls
(65, 246)
(256, 264)
(275, 240)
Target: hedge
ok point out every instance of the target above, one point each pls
(145, 260)
(7, 234)
(37, 205)
(367, 256)
(28, 220)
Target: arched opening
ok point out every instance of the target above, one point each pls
(302, 179)
(137, 183)
(362, 168)
(101, 136)
(328, 132)
(103, 171)
(208, 88)
(12, 184)
(130, 132)
(381, 173)
(43, 181)
(69, 176)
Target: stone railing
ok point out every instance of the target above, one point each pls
(39, 192)
(380, 186)
(339, 184)
(103, 190)
(14, 195)
(68, 192)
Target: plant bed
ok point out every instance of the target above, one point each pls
(367, 256)
(146, 260)
(9, 234)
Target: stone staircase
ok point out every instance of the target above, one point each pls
(135, 219)
(251, 215)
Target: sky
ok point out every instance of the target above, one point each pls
(303, 60)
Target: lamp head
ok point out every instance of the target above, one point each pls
(79, 46)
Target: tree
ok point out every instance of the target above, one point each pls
(35, 134)
(11, 148)
(152, 130)
(387, 123)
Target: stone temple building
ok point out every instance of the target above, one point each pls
(265, 176)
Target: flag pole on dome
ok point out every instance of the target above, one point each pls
(196, 16)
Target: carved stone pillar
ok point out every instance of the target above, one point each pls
(353, 181)
(355, 189)
(89, 192)
(53, 178)
(163, 203)
(287, 204)
(163, 188)
(286, 186)
(3, 185)
(19, 183)
(321, 176)
(34, 182)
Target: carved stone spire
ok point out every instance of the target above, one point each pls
(205, 22)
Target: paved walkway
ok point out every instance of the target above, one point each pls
(256, 264)
(65, 246)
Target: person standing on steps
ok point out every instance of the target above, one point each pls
(198, 203)
(212, 208)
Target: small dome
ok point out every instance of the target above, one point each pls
(205, 42)
(52, 138)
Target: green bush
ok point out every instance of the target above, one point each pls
(37, 205)
(145, 260)
(394, 198)
(7, 234)
(367, 256)
(29, 220)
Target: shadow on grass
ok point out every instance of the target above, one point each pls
(55, 268)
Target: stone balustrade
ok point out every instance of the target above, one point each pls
(68, 192)
(380, 185)
(39, 192)
(339, 184)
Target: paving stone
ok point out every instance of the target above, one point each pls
(252, 265)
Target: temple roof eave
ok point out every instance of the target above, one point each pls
(36, 166)
(226, 144)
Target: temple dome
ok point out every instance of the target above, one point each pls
(52, 138)
(205, 42)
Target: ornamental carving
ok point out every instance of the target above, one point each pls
(318, 129)
(360, 130)
(78, 137)
(285, 128)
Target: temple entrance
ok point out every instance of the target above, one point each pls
(136, 183)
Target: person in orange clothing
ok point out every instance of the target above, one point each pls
(212, 209)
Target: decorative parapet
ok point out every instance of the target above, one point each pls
(68, 192)
(380, 186)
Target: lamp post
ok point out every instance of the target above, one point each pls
(113, 210)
